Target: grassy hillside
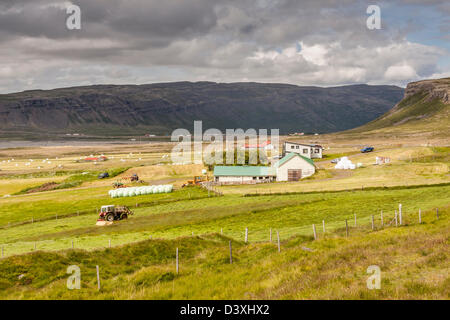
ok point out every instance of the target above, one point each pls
(424, 109)
(413, 260)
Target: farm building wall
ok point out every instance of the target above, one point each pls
(295, 163)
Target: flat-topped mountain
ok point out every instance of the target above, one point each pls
(161, 108)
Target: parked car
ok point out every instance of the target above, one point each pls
(103, 175)
(367, 149)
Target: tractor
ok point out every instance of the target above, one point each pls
(197, 181)
(112, 213)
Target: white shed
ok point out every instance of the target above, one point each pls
(293, 167)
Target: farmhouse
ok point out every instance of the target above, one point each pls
(312, 151)
(293, 167)
(243, 174)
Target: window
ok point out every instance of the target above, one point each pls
(254, 178)
(292, 147)
(305, 150)
(297, 147)
(317, 150)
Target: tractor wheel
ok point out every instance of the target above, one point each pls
(110, 217)
(124, 216)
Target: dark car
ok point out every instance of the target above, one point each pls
(103, 175)
(367, 149)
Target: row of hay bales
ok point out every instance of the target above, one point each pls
(137, 191)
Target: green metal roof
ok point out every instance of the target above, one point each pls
(289, 156)
(251, 171)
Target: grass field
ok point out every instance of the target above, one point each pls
(412, 259)
(37, 229)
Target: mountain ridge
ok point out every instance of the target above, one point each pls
(162, 107)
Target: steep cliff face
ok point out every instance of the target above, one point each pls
(161, 108)
(425, 107)
(435, 89)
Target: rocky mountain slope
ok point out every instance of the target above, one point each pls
(425, 107)
(161, 108)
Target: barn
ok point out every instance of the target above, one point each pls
(243, 174)
(293, 167)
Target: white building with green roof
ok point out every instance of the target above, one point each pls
(292, 167)
(243, 174)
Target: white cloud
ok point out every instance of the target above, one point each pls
(400, 73)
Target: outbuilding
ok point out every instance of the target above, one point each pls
(243, 174)
(293, 167)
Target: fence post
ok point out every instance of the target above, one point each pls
(56, 216)
(177, 260)
(231, 254)
(420, 216)
(396, 220)
(382, 224)
(32, 220)
(270, 235)
(323, 225)
(373, 224)
(35, 246)
(246, 235)
(437, 213)
(72, 244)
(109, 243)
(314, 231)
(346, 227)
(400, 213)
(278, 239)
(355, 219)
(98, 277)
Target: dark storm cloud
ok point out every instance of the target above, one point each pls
(323, 42)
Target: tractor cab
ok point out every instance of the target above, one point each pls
(106, 209)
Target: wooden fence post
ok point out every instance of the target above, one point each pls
(314, 231)
(109, 243)
(437, 213)
(355, 219)
(246, 235)
(56, 216)
(400, 213)
(221, 230)
(323, 225)
(278, 239)
(346, 227)
(35, 246)
(98, 277)
(396, 220)
(420, 216)
(231, 254)
(32, 220)
(373, 224)
(177, 261)
(382, 223)
(72, 244)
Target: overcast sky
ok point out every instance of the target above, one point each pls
(316, 42)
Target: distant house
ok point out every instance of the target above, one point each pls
(267, 145)
(293, 167)
(243, 174)
(312, 151)
(95, 159)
